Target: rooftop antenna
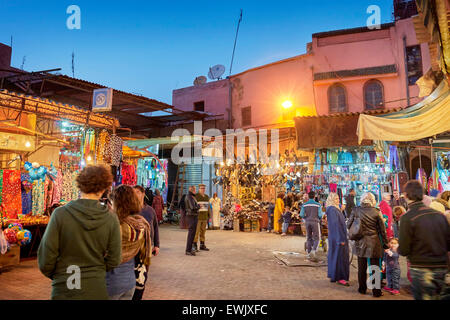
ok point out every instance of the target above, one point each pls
(73, 64)
(235, 40)
(23, 62)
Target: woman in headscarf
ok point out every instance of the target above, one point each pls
(279, 210)
(370, 248)
(338, 251)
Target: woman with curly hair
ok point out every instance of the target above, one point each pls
(82, 238)
(136, 245)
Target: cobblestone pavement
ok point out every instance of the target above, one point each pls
(240, 265)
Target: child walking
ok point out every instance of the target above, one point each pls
(392, 268)
(286, 217)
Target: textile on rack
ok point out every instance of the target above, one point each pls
(129, 176)
(12, 194)
(114, 150)
(38, 197)
(422, 177)
(57, 188)
(1, 186)
(393, 158)
(26, 189)
(102, 142)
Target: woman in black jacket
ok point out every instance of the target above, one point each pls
(370, 247)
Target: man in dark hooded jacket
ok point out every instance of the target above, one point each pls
(82, 241)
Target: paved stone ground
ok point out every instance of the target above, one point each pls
(240, 265)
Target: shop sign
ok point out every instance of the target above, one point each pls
(102, 100)
(16, 142)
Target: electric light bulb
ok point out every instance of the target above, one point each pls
(27, 144)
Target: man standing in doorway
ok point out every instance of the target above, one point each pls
(312, 213)
(204, 215)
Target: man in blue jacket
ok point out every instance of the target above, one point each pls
(312, 213)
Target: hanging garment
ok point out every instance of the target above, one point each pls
(26, 189)
(372, 156)
(57, 188)
(12, 195)
(422, 177)
(393, 158)
(38, 199)
(102, 142)
(129, 174)
(66, 193)
(114, 150)
(1, 186)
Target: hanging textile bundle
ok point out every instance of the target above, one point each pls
(422, 177)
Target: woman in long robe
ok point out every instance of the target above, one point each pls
(158, 205)
(279, 210)
(338, 250)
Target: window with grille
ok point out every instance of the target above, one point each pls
(246, 116)
(199, 106)
(373, 95)
(337, 98)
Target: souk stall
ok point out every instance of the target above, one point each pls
(50, 143)
(424, 121)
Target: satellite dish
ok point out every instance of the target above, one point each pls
(216, 72)
(200, 80)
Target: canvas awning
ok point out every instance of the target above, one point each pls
(427, 118)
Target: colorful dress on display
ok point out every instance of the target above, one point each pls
(114, 150)
(57, 188)
(12, 194)
(129, 174)
(27, 187)
(67, 186)
(1, 185)
(38, 197)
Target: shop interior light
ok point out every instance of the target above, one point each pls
(89, 158)
(65, 124)
(27, 144)
(287, 104)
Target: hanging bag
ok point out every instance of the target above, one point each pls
(3, 243)
(355, 230)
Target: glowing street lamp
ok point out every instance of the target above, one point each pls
(287, 104)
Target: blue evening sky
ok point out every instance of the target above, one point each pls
(152, 47)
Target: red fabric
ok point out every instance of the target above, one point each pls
(158, 205)
(129, 176)
(386, 209)
(12, 193)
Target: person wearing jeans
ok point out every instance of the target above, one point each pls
(287, 216)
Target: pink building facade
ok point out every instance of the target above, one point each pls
(350, 70)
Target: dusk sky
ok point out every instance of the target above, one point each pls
(153, 47)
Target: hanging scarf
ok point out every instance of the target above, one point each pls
(136, 239)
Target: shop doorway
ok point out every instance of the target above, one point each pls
(415, 165)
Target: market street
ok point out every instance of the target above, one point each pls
(240, 265)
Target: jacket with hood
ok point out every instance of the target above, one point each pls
(82, 237)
